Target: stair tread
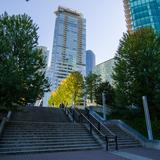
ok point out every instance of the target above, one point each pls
(51, 150)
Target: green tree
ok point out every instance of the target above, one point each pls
(91, 83)
(22, 76)
(108, 90)
(137, 70)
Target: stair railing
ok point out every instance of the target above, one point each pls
(92, 126)
(77, 116)
(69, 113)
(102, 126)
(80, 117)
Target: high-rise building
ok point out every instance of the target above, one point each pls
(90, 61)
(69, 45)
(142, 13)
(105, 70)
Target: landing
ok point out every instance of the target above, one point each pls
(40, 114)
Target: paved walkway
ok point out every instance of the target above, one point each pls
(75, 155)
(125, 154)
(139, 154)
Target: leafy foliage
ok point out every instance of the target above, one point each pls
(69, 91)
(91, 83)
(137, 70)
(22, 66)
(109, 92)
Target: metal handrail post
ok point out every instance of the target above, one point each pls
(116, 141)
(90, 128)
(106, 138)
(73, 115)
(79, 118)
(99, 126)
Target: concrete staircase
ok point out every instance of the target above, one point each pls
(44, 130)
(39, 114)
(124, 139)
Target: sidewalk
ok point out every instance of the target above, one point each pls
(75, 155)
(124, 154)
(139, 154)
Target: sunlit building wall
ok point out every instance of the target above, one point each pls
(105, 70)
(69, 45)
(90, 61)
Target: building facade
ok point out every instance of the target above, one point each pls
(142, 13)
(90, 61)
(105, 70)
(69, 45)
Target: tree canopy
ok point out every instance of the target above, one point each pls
(70, 91)
(91, 83)
(137, 70)
(104, 87)
(22, 74)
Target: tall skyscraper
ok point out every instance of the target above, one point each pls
(90, 61)
(69, 45)
(142, 13)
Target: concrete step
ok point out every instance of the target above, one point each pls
(10, 138)
(21, 123)
(51, 150)
(126, 146)
(89, 139)
(46, 132)
(125, 143)
(30, 148)
(59, 135)
(31, 129)
(26, 144)
(40, 114)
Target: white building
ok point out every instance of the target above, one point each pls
(69, 45)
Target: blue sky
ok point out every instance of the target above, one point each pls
(105, 21)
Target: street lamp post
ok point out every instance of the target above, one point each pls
(85, 101)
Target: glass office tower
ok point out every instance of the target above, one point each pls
(105, 70)
(90, 61)
(69, 45)
(142, 13)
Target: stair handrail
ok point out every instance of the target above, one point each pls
(68, 112)
(92, 125)
(113, 134)
(105, 127)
